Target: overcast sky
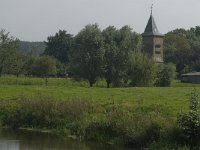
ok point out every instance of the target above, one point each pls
(34, 20)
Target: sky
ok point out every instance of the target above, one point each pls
(35, 20)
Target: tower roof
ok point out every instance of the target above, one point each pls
(151, 28)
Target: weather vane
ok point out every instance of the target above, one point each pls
(151, 8)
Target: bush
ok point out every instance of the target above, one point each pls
(141, 69)
(111, 123)
(165, 75)
(42, 112)
(190, 123)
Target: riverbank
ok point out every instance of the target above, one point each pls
(29, 140)
(138, 117)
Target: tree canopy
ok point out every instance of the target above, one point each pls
(59, 46)
(118, 45)
(182, 47)
(11, 61)
(87, 55)
(111, 54)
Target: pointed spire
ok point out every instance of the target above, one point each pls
(151, 28)
(151, 9)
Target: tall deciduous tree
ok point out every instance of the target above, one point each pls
(182, 48)
(165, 75)
(59, 46)
(87, 56)
(128, 42)
(172, 43)
(118, 45)
(111, 62)
(44, 66)
(141, 69)
(11, 61)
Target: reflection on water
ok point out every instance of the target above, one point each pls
(27, 140)
(9, 145)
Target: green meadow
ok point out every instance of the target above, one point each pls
(174, 98)
(136, 116)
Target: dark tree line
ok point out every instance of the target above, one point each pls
(182, 47)
(93, 54)
(36, 48)
(111, 54)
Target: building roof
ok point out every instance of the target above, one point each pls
(151, 28)
(192, 74)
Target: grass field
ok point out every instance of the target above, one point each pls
(175, 98)
(96, 113)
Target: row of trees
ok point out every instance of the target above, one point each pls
(15, 62)
(182, 47)
(10, 59)
(111, 54)
(105, 53)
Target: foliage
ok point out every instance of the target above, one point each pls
(141, 69)
(62, 69)
(42, 112)
(119, 115)
(182, 47)
(111, 61)
(11, 61)
(36, 48)
(190, 123)
(84, 119)
(59, 46)
(187, 60)
(44, 66)
(172, 43)
(87, 56)
(30, 58)
(118, 44)
(166, 74)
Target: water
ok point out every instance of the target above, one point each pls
(31, 140)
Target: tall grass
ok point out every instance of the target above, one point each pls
(143, 117)
(23, 80)
(86, 120)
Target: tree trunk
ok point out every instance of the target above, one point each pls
(46, 80)
(91, 84)
(108, 81)
(108, 84)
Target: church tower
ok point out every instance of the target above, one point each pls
(153, 40)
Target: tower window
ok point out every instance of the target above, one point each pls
(157, 46)
(157, 52)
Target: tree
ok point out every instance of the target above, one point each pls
(187, 60)
(118, 44)
(30, 58)
(127, 42)
(165, 75)
(26, 47)
(59, 46)
(87, 56)
(14, 64)
(44, 66)
(11, 61)
(111, 62)
(172, 43)
(141, 69)
(182, 48)
(189, 122)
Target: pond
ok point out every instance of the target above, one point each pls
(32, 140)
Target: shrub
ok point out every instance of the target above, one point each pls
(42, 112)
(111, 123)
(190, 123)
(141, 69)
(165, 75)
